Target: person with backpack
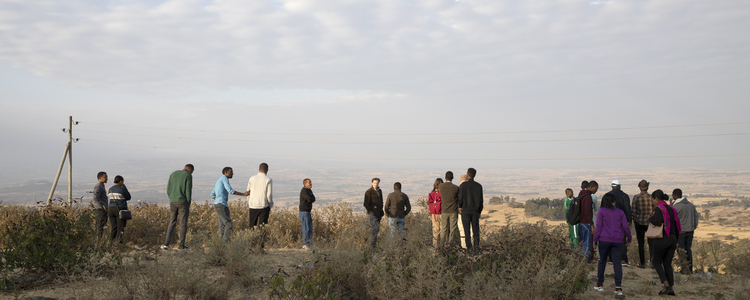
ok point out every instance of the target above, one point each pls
(586, 226)
(572, 228)
(612, 228)
(665, 246)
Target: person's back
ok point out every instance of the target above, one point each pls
(179, 186)
(612, 225)
(470, 196)
(397, 205)
(260, 187)
(687, 214)
(449, 194)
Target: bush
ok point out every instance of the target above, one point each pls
(546, 208)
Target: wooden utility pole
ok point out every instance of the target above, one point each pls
(69, 155)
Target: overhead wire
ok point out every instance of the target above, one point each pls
(424, 134)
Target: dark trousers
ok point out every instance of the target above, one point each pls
(686, 242)
(101, 221)
(614, 251)
(470, 221)
(374, 229)
(181, 211)
(640, 233)
(663, 254)
(117, 224)
(225, 221)
(259, 216)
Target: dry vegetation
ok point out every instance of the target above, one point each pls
(53, 253)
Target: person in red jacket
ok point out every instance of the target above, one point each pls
(435, 202)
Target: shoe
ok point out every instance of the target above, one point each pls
(185, 248)
(164, 247)
(599, 288)
(641, 266)
(619, 294)
(626, 265)
(305, 247)
(610, 263)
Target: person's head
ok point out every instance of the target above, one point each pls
(471, 173)
(437, 182)
(584, 184)
(658, 195)
(608, 200)
(677, 194)
(569, 193)
(227, 171)
(189, 168)
(643, 185)
(593, 186)
(119, 180)
(102, 177)
(307, 183)
(615, 184)
(263, 168)
(449, 176)
(375, 182)
(397, 186)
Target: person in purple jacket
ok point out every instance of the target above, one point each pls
(612, 226)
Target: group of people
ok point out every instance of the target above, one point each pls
(607, 228)
(108, 204)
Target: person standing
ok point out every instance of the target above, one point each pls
(688, 215)
(623, 203)
(397, 206)
(612, 226)
(260, 199)
(180, 193)
(220, 194)
(118, 196)
(434, 200)
(449, 210)
(374, 206)
(586, 226)
(470, 204)
(664, 247)
(100, 203)
(642, 206)
(306, 199)
(572, 229)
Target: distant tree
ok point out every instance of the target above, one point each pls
(496, 200)
(707, 214)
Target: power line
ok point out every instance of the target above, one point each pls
(429, 159)
(426, 134)
(35, 126)
(29, 144)
(427, 143)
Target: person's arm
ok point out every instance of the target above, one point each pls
(598, 230)
(460, 199)
(407, 204)
(695, 217)
(189, 189)
(387, 207)
(269, 193)
(431, 197)
(304, 196)
(228, 187)
(626, 228)
(368, 202)
(126, 193)
(657, 218)
(249, 185)
(480, 199)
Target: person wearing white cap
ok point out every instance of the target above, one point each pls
(623, 203)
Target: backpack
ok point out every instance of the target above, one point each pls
(573, 216)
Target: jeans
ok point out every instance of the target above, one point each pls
(613, 250)
(470, 221)
(225, 221)
(306, 220)
(101, 221)
(686, 242)
(259, 216)
(375, 229)
(397, 223)
(587, 238)
(117, 224)
(640, 233)
(663, 254)
(449, 228)
(181, 210)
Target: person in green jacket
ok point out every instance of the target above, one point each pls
(179, 191)
(572, 229)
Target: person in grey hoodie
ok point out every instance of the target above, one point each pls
(100, 203)
(688, 215)
(118, 196)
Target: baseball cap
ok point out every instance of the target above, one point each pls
(615, 182)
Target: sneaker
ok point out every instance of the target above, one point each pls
(619, 294)
(599, 288)
(641, 266)
(626, 265)
(305, 247)
(164, 247)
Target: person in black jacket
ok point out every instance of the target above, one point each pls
(470, 204)
(118, 197)
(374, 205)
(306, 199)
(622, 201)
(665, 247)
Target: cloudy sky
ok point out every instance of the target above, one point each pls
(375, 84)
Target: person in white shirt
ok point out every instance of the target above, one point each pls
(260, 199)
